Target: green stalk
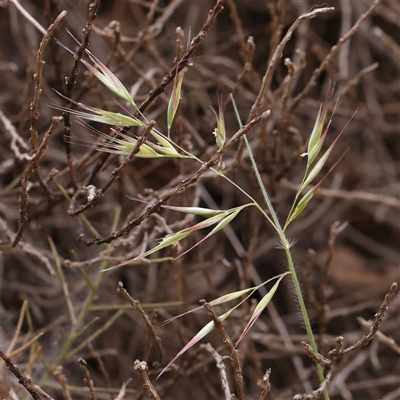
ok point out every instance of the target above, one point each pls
(286, 246)
(303, 309)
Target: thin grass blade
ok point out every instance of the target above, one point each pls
(200, 335)
(259, 309)
(174, 99)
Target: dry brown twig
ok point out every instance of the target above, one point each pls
(70, 83)
(356, 80)
(86, 378)
(24, 380)
(315, 393)
(234, 354)
(16, 139)
(62, 380)
(288, 86)
(272, 64)
(388, 341)
(221, 367)
(334, 50)
(37, 76)
(239, 27)
(248, 60)
(141, 366)
(149, 343)
(136, 305)
(212, 15)
(121, 393)
(25, 345)
(264, 384)
(388, 41)
(282, 97)
(32, 166)
(339, 351)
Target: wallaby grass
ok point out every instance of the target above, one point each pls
(57, 307)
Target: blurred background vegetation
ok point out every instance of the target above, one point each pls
(346, 267)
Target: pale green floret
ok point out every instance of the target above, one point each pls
(231, 296)
(98, 115)
(317, 169)
(144, 151)
(118, 119)
(226, 221)
(108, 79)
(208, 222)
(174, 99)
(147, 150)
(259, 309)
(266, 299)
(162, 140)
(167, 241)
(194, 210)
(314, 152)
(166, 152)
(301, 205)
(210, 326)
(124, 148)
(317, 130)
(219, 131)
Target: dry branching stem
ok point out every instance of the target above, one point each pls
(334, 50)
(141, 366)
(212, 15)
(265, 384)
(334, 354)
(70, 83)
(136, 305)
(86, 378)
(37, 76)
(24, 380)
(388, 341)
(316, 393)
(15, 139)
(340, 352)
(33, 164)
(143, 32)
(62, 380)
(234, 354)
(272, 64)
(221, 367)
